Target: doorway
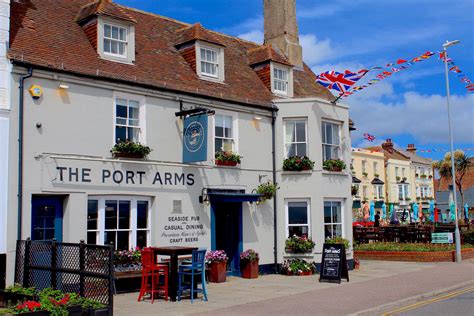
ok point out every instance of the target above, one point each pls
(226, 226)
(47, 218)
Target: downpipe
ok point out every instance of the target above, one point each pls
(275, 234)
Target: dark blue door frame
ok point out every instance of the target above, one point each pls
(38, 218)
(235, 265)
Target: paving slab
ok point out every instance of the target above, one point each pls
(375, 283)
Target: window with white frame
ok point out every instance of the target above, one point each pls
(364, 191)
(364, 166)
(357, 188)
(224, 133)
(375, 168)
(123, 222)
(115, 40)
(403, 172)
(332, 219)
(127, 120)
(295, 138)
(331, 140)
(280, 80)
(403, 191)
(297, 215)
(396, 172)
(209, 62)
(378, 191)
(424, 191)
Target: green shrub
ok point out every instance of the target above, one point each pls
(267, 190)
(393, 246)
(297, 163)
(468, 236)
(339, 240)
(334, 165)
(297, 244)
(227, 156)
(130, 147)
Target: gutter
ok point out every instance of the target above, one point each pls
(275, 235)
(20, 149)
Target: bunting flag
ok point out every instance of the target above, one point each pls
(442, 150)
(341, 82)
(454, 68)
(369, 137)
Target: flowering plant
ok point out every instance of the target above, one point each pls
(227, 156)
(334, 165)
(130, 147)
(249, 255)
(216, 256)
(127, 257)
(339, 240)
(28, 306)
(297, 163)
(297, 267)
(267, 190)
(298, 244)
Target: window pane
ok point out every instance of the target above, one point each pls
(290, 150)
(121, 111)
(297, 213)
(106, 45)
(300, 132)
(115, 32)
(228, 131)
(107, 31)
(298, 230)
(301, 150)
(124, 214)
(141, 238)
(327, 212)
(328, 139)
(123, 102)
(326, 152)
(335, 153)
(120, 134)
(327, 231)
(92, 213)
(113, 47)
(336, 212)
(110, 214)
(218, 144)
(228, 123)
(142, 214)
(335, 134)
(290, 135)
(123, 240)
(109, 238)
(122, 34)
(133, 122)
(121, 47)
(92, 238)
(219, 131)
(227, 144)
(133, 134)
(337, 230)
(324, 132)
(219, 120)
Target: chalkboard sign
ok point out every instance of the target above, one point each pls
(334, 264)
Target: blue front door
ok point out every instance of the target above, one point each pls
(47, 218)
(226, 225)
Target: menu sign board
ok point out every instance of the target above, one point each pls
(334, 264)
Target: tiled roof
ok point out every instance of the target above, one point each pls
(415, 158)
(196, 32)
(45, 33)
(103, 7)
(265, 53)
(395, 154)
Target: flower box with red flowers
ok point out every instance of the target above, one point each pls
(296, 163)
(299, 267)
(227, 158)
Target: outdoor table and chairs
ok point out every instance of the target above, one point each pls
(151, 273)
(195, 270)
(393, 233)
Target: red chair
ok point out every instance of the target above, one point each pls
(151, 273)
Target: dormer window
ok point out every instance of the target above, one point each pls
(115, 40)
(210, 61)
(282, 80)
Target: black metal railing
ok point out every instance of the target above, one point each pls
(80, 268)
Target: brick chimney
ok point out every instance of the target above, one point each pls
(388, 145)
(411, 148)
(281, 29)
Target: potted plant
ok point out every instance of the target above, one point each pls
(130, 149)
(430, 176)
(424, 176)
(354, 190)
(296, 163)
(339, 240)
(94, 308)
(336, 165)
(297, 267)
(249, 264)
(217, 262)
(365, 174)
(16, 293)
(376, 175)
(398, 179)
(127, 260)
(404, 179)
(267, 190)
(28, 308)
(296, 244)
(227, 158)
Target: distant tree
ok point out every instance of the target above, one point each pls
(461, 165)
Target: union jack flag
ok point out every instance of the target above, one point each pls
(340, 81)
(369, 137)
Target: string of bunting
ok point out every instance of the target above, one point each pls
(344, 82)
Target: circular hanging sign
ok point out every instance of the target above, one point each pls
(194, 137)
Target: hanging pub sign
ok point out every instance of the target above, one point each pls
(334, 264)
(195, 138)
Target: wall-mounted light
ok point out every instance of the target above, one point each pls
(257, 118)
(204, 197)
(63, 86)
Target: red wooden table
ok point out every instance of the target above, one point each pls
(173, 252)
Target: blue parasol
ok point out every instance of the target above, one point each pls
(466, 211)
(415, 208)
(432, 210)
(372, 211)
(393, 216)
(384, 211)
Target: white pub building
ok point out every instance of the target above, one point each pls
(87, 74)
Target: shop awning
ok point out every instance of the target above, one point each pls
(377, 181)
(233, 197)
(355, 180)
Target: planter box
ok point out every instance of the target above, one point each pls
(414, 256)
(304, 273)
(75, 310)
(249, 270)
(96, 312)
(9, 298)
(226, 163)
(289, 250)
(127, 155)
(218, 272)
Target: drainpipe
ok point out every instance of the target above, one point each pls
(20, 149)
(275, 235)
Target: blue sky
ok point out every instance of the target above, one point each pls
(409, 106)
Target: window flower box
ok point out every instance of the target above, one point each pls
(296, 244)
(227, 158)
(336, 165)
(129, 149)
(296, 163)
(299, 267)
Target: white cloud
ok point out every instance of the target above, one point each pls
(424, 117)
(255, 36)
(315, 50)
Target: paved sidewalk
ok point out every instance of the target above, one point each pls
(375, 283)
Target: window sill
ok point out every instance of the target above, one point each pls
(302, 172)
(335, 173)
(211, 79)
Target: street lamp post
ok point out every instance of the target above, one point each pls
(457, 237)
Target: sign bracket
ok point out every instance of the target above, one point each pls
(196, 110)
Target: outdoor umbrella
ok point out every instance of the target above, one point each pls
(393, 216)
(384, 211)
(432, 210)
(366, 211)
(415, 211)
(372, 211)
(391, 210)
(421, 210)
(451, 211)
(466, 211)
